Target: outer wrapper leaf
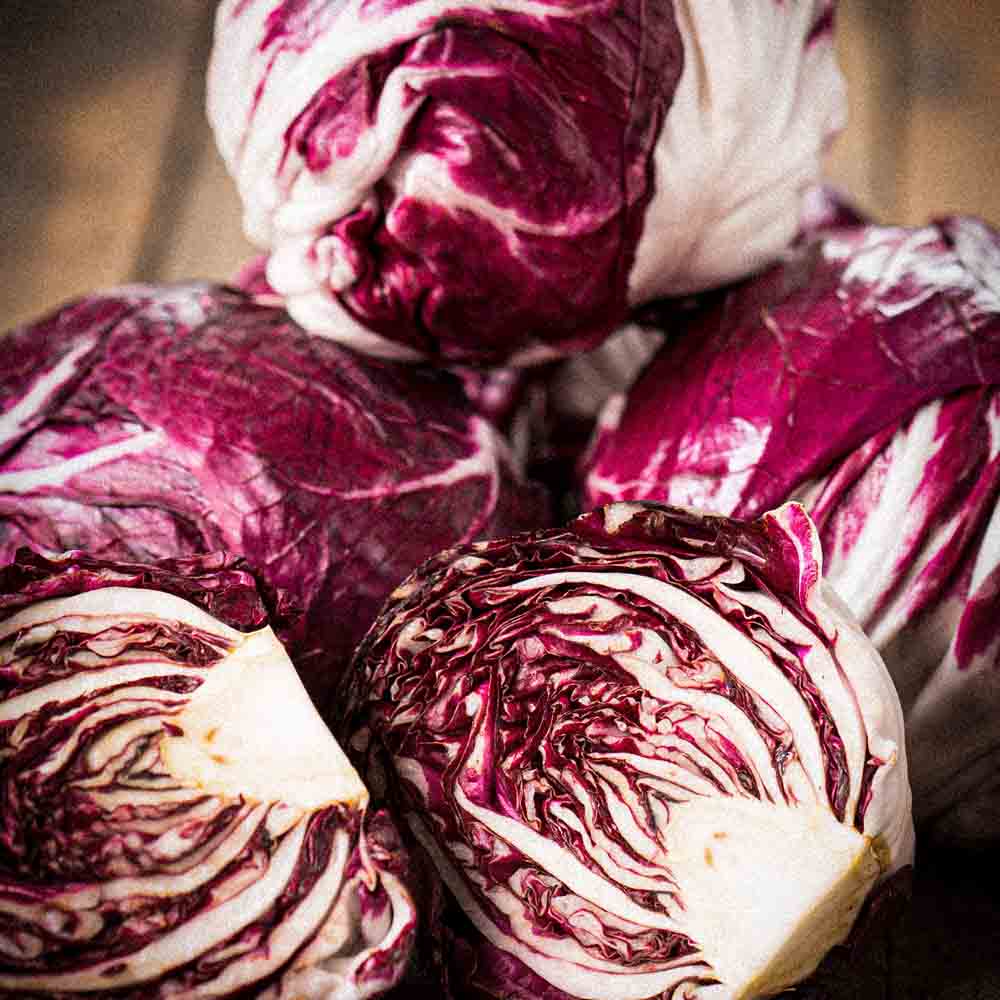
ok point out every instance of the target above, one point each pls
(635, 751)
(501, 179)
(155, 422)
(911, 526)
(858, 377)
(177, 820)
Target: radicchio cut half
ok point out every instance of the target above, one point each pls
(501, 179)
(177, 820)
(649, 755)
(154, 422)
(860, 377)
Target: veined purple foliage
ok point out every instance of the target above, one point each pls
(575, 391)
(154, 422)
(859, 377)
(501, 179)
(648, 755)
(910, 523)
(177, 820)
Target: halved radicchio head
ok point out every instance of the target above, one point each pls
(177, 820)
(502, 179)
(861, 377)
(649, 755)
(153, 422)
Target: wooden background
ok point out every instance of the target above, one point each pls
(108, 174)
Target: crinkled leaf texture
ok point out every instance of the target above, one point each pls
(154, 422)
(500, 179)
(649, 755)
(859, 377)
(177, 820)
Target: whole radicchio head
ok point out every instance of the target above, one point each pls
(501, 179)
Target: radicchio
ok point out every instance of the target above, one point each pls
(177, 820)
(501, 179)
(860, 377)
(154, 422)
(649, 755)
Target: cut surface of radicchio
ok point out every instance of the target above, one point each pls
(648, 755)
(177, 819)
(499, 180)
(153, 422)
(862, 378)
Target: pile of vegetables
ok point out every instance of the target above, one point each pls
(310, 685)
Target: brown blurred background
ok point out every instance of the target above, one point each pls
(108, 174)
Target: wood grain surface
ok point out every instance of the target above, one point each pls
(109, 175)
